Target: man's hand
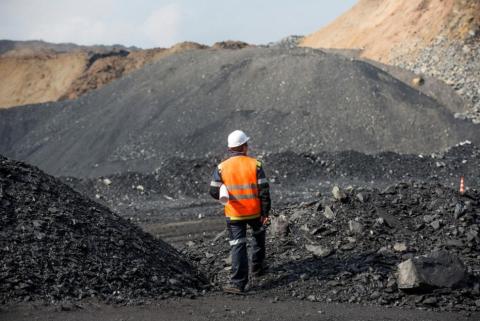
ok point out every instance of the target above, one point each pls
(265, 220)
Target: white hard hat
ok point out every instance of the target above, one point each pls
(237, 138)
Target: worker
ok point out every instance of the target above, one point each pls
(249, 204)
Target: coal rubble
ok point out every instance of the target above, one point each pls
(138, 195)
(56, 245)
(355, 255)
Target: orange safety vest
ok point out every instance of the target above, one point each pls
(239, 174)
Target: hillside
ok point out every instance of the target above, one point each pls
(35, 72)
(440, 38)
(187, 104)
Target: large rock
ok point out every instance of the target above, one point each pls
(438, 270)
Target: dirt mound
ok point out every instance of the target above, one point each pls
(435, 37)
(380, 28)
(37, 79)
(104, 68)
(230, 44)
(32, 74)
(351, 253)
(32, 47)
(57, 245)
(186, 106)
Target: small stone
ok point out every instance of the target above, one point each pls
(435, 225)
(319, 250)
(361, 197)
(430, 301)
(428, 218)
(305, 228)
(355, 227)
(228, 260)
(471, 235)
(338, 194)
(312, 298)
(140, 188)
(67, 307)
(347, 247)
(298, 215)
(280, 226)
(53, 210)
(459, 211)
(107, 182)
(328, 213)
(400, 247)
(418, 81)
(37, 223)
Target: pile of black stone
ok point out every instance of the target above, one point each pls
(297, 100)
(293, 177)
(348, 247)
(56, 245)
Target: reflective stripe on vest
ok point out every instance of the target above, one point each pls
(239, 174)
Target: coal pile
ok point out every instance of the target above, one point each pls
(178, 188)
(57, 245)
(346, 247)
(299, 100)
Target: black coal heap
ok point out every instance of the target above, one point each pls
(56, 245)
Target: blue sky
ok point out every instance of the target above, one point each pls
(161, 23)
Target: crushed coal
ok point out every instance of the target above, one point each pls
(354, 255)
(55, 244)
(179, 187)
(289, 100)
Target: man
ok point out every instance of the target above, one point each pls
(249, 204)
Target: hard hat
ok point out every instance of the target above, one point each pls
(237, 138)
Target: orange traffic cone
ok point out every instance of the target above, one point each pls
(462, 185)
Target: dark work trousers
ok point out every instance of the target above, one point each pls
(237, 231)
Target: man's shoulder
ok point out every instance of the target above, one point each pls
(234, 159)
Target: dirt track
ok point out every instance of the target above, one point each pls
(219, 307)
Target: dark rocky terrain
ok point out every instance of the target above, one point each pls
(178, 188)
(56, 245)
(186, 105)
(138, 153)
(347, 249)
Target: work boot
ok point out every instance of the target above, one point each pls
(259, 270)
(233, 289)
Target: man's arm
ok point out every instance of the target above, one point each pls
(215, 184)
(263, 190)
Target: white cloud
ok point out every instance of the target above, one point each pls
(89, 22)
(163, 24)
